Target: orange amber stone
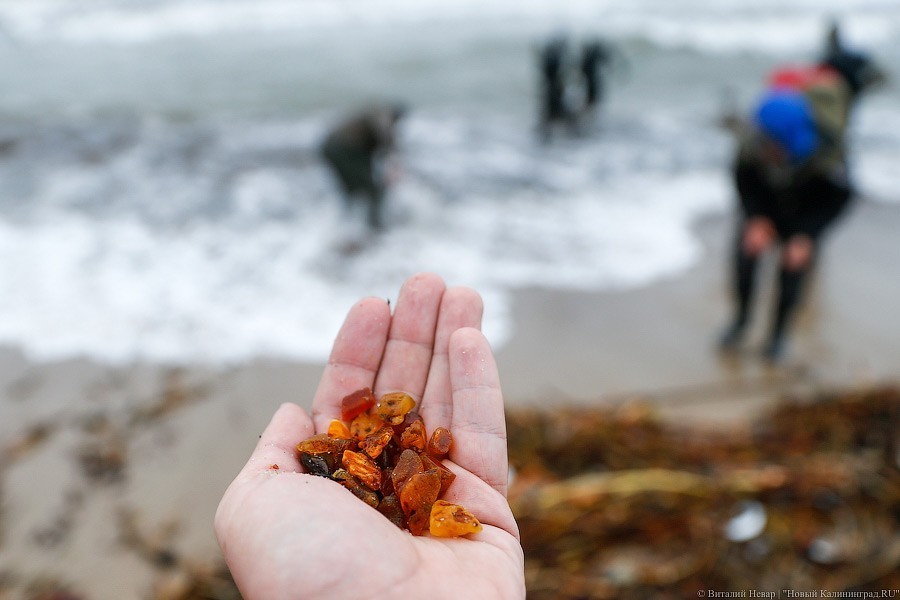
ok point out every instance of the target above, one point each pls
(375, 443)
(440, 442)
(414, 436)
(407, 465)
(323, 444)
(339, 429)
(394, 406)
(365, 425)
(356, 403)
(361, 466)
(420, 491)
(451, 520)
(446, 474)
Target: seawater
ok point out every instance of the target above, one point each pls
(161, 197)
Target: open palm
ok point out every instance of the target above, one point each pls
(286, 534)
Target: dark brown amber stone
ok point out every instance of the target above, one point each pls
(414, 436)
(393, 407)
(357, 403)
(440, 442)
(451, 520)
(446, 474)
(361, 466)
(315, 465)
(361, 491)
(408, 465)
(390, 508)
(365, 425)
(387, 482)
(375, 442)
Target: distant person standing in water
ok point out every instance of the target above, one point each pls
(595, 57)
(357, 150)
(792, 178)
(553, 103)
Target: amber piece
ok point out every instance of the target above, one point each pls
(390, 508)
(420, 491)
(446, 474)
(361, 466)
(408, 465)
(375, 443)
(393, 407)
(339, 429)
(356, 403)
(365, 425)
(361, 491)
(410, 418)
(323, 444)
(419, 521)
(315, 464)
(440, 442)
(451, 520)
(387, 482)
(390, 455)
(414, 436)
(417, 497)
(341, 474)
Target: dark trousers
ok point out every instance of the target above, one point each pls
(790, 288)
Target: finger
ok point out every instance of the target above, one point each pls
(410, 344)
(354, 359)
(478, 424)
(277, 445)
(460, 307)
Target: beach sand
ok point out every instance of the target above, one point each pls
(110, 475)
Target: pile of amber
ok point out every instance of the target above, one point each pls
(385, 458)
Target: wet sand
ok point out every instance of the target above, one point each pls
(109, 476)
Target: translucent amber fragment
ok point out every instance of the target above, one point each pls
(390, 508)
(356, 403)
(451, 520)
(393, 407)
(339, 429)
(419, 521)
(408, 465)
(375, 442)
(420, 491)
(410, 418)
(360, 491)
(414, 436)
(361, 466)
(440, 442)
(446, 474)
(365, 425)
(387, 482)
(324, 444)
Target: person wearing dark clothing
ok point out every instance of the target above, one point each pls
(857, 68)
(553, 85)
(791, 177)
(594, 58)
(356, 150)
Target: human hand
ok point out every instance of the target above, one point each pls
(759, 234)
(286, 534)
(798, 252)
